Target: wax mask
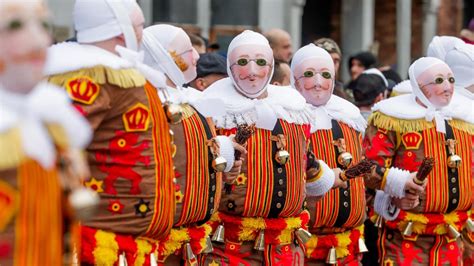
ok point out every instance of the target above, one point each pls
(23, 43)
(314, 79)
(251, 67)
(138, 21)
(184, 55)
(437, 84)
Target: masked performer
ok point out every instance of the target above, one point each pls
(130, 154)
(261, 213)
(337, 220)
(401, 133)
(38, 130)
(198, 153)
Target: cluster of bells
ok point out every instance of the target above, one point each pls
(452, 231)
(302, 236)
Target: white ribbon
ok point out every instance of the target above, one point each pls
(125, 23)
(266, 117)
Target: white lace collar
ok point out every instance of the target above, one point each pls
(46, 104)
(405, 107)
(282, 102)
(71, 56)
(338, 109)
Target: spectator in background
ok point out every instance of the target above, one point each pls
(281, 74)
(333, 49)
(360, 62)
(369, 88)
(198, 43)
(467, 35)
(213, 48)
(211, 67)
(280, 42)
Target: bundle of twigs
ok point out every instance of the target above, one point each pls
(424, 170)
(361, 168)
(244, 132)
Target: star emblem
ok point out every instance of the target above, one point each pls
(95, 185)
(179, 196)
(142, 208)
(241, 180)
(115, 206)
(213, 263)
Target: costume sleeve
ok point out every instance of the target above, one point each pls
(319, 177)
(380, 146)
(383, 206)
(226, 151)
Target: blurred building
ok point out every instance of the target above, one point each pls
(396, 30)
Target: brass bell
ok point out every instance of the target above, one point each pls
(260, 241)
(174, 112)
(208, 248)
(122, 260)
(85, 203)
(303, 236)
(188, 255)
(153, 261)
(331, 258)
(454, 161)
(408, 229)
(470, 225)
(344, 159)
(218, 235)
(453, 233)
(362, 246)
(219, 164)
(282, 156)
(379, 222)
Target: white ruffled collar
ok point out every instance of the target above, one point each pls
(282, 102)
(338, 109)
(71, 56)
(464, 92)
(46, 104)
(406, 107)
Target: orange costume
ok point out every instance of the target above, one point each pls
(36, 131)
(337, 220)
(401, 138)
(129, 157)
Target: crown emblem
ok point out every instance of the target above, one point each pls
(82, 89)
(136, 118)
(412, 140)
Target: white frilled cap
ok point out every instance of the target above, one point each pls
(461, 62)
(308, 52)
(403, 87)
(441, 45)
(100, 20)
(415, 70)
(247, 37)
(377, 72)
(155, 44)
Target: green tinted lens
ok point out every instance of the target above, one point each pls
(15, 24)
(451, 80)
(326, 75)
(308, 74)
(46, 25)
(242, 62)
(439, 80)
(261, 62)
